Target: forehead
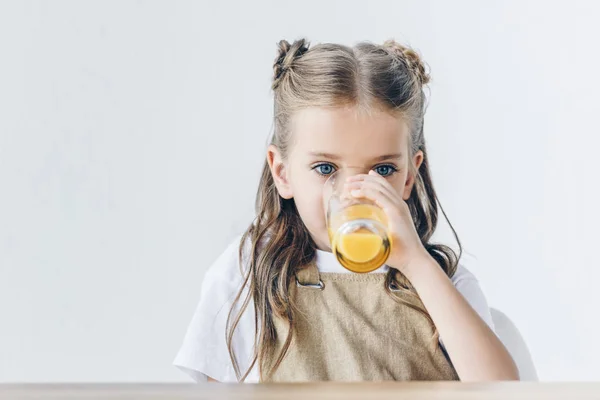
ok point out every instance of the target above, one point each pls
(348, 133)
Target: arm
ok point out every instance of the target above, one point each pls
(475, 351)
(204, 349)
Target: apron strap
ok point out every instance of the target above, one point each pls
(309, 277)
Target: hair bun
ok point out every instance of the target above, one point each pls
(286, 55)
(410, 58)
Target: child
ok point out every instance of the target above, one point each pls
(277, 306)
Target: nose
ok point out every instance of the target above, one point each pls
(346, 172)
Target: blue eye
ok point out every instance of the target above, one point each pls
(324, 169)
(385, 170)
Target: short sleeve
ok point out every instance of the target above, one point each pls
(468, 285)
(204, 350)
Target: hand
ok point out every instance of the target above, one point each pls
(407, 248)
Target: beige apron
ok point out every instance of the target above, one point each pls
(348, 328)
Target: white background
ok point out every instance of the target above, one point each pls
(132, 135)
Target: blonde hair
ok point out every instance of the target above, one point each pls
(390, 77)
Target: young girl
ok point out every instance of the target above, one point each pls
(277, 306)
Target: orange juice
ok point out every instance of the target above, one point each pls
(359, 237)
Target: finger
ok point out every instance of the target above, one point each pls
(385, 183)
(374, 187)
(356, 178)
(388, 190)
(379, 198)
(359, 177)
(372, 175)
(378, 178)
(365, 177)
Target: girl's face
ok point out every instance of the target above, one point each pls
(340, 139)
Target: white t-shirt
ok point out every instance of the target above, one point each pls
(204, 350)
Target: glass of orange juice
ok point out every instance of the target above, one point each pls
(357, 227)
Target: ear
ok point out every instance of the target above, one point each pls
(279, 172)
(416, 161)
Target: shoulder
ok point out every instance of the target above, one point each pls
(204, 351)
(229, 266)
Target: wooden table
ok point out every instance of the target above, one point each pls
(312, 391)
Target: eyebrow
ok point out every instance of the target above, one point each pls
(394, 156)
